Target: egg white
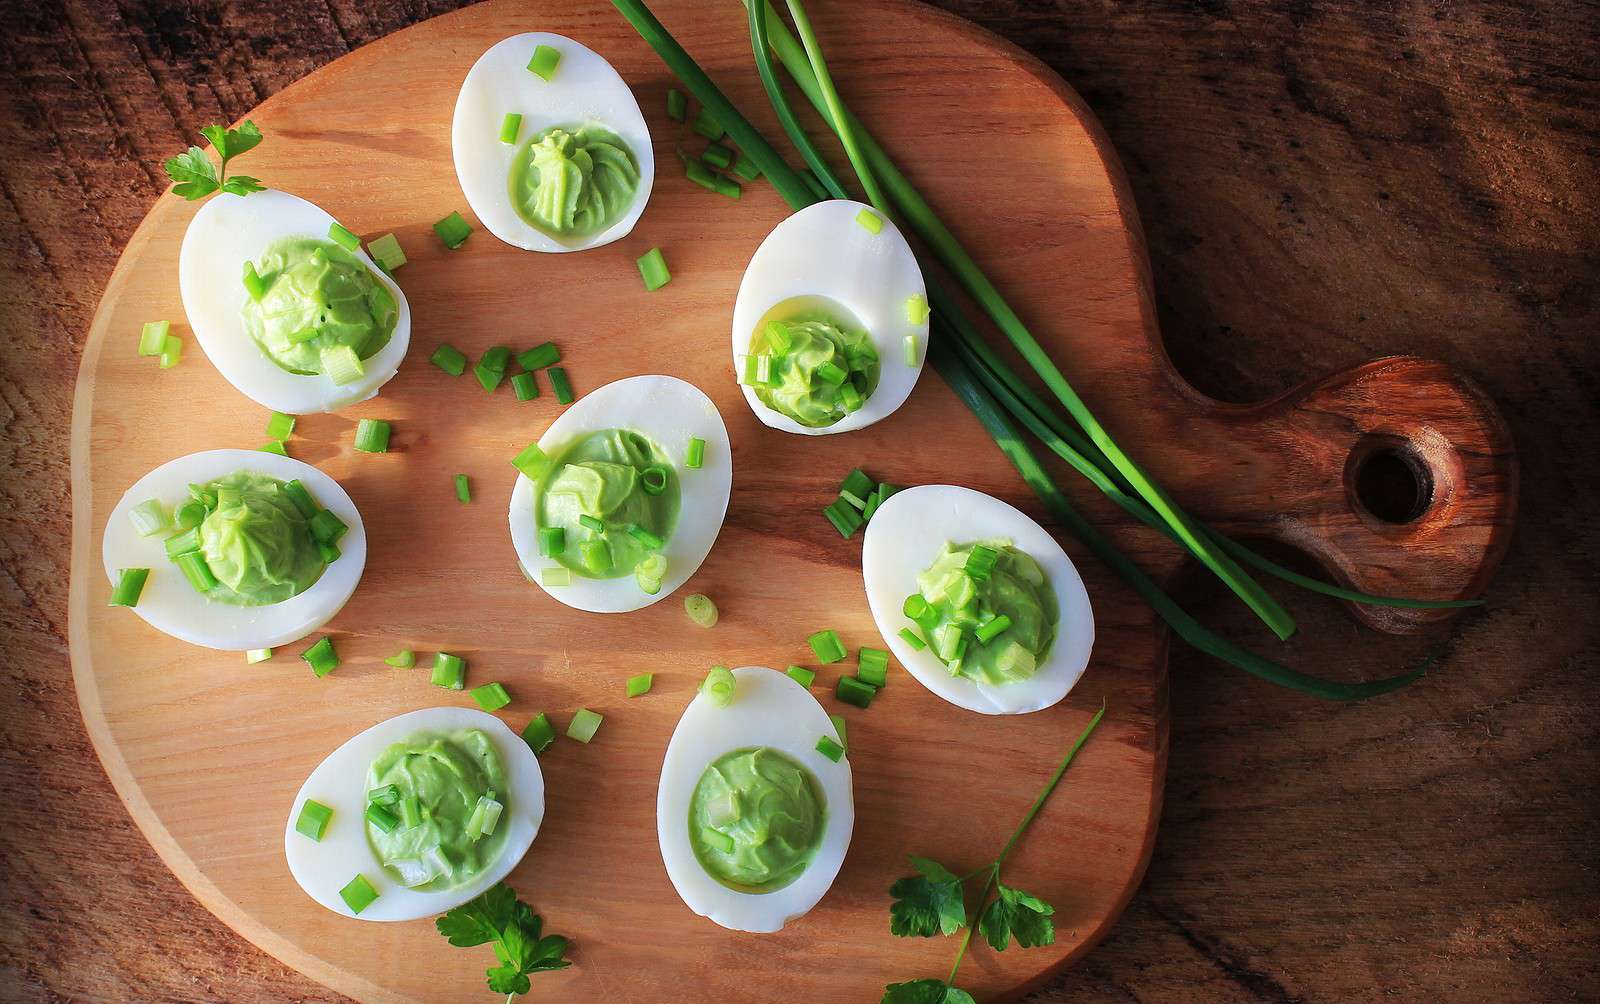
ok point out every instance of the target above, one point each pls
(822, 251)
(230, 230)
(585, 88)
(340, 782)
(170, 604)
(904, 538)
(671, 412)
(769, 709)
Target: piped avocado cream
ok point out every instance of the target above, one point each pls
(447, 774)
(756, 819)
(624, 482)
(317, 296)
(821, 368)
(988, 613)
(256, 542)
(573, 182)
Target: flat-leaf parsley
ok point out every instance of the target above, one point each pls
(195, 177)
(500, 919)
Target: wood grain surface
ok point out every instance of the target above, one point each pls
(1337, 181)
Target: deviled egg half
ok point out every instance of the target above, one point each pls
(550, 147)
(621, 499)
(753, 819)
(289, 312)
(244, 549)
(976, 600)
(415, 816)
(830, 328)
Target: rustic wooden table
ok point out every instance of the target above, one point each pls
(1320, 183)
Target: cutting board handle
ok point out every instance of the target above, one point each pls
(1399, 476)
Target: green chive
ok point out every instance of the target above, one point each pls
(183, 543)
(980, 562)
(255, 655)
(825, 745)
(639, 685)
(844, 517)
(273, 446)
(358, 894)
(728, 187)
(129, 585)
(301, 498)
(559, 384)
(677, 104)
(853, 691)
(313, 819)
(913, 639)
(827, 646)
(194, 568)
(153, 338)
(171, 352)
(254, 284)
(386, 251)
(872, 666)
(646, 539)
(717, 156)
(372, 435)
(701, 609)
(653, 269)
(917, 308)
(653, 479)
(491, 696)
(342, 237)
(558, 576)
(989, 630)
(870, 221)
(910, 351)
(524, 386)
(491, 368)
(595, 555)
(552, 540)
(539, 734)
(329, 551)
(533, 462)
(706, 125)
(699, 173)
(510, 126)
(719, 841)
(326, 527)
(746, 168)
(450, 359)
(589, 522)
(453, 230)
(801, 675)
(404, 659)
(449, 671)
(832, 373)
(720, 686)
(463, 488)
(150, 518)
(584, 725)
(321, 657)
(342, 364)
(410, 812)
(540, 356)
(382, 818)
(857, 483)
(838, 729)
(697, 454)
(280, 426)
(544, 62)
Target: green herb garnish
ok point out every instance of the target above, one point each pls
(500, 919)
(195, 177)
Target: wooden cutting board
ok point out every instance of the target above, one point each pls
(208, 752)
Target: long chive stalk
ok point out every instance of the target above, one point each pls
(761, 50)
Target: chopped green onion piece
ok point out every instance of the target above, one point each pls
(653, 479)
(639, 685)
(539, 733)
(558, 576)
(653, 269)
(453, 230)
(873, 502)
(832, 373)
(595, 555)
(746, 168)
(280, 426)
(844, 517)
(701, 609)
(149, 518)
(852, 691)
(870, 221)
(589, 522)
(342, 364)
(584, 725)
(948, 642)
(872, 666)
(850, 397)
(410, 812)
(726, 186)
(717, 156)
(372, 435)
(917, 308)
(696, 457)
(540, 356)
(989, 630)
(190, 514)
(720, 686)
(129, 585)
(859, 503)
(255, 655)
(183, 543)
(545, 60)
(980, 562)
(449, 671)
(533, 462)
(677, 104)
(510, 126)
(404, 659)
(1015, 660)
(646, 539)
(194, 568)
(491, 696)
(321, 657)
(485, 816)
(313, 819)
(496, 358)
(488, 376)
(153, 337)
(718, 840)
(386, 251)
(463, 488)
(329, 551)
(254, 284)
(779, 337)
(343, 237)
(359, 894)
(552, 540)
(171, 352)
(649, 573)
(700, 174)
(382, 818)
(525, 386)
(450, 359)
(830, 749)
(559, 384)
(801, 675)
(273, 446)
(913, 639)
(326, 527)
(707, 125)
(838, 728)
(912, 352)
(827, 646)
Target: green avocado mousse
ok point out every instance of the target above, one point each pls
(809, 363)
(986, 610)
(434, 804)
(573, 181)
(608, 506)
(311, 304)
(250, 540)
(755, 819)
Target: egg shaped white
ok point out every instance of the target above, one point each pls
(230, 230)
(904, 538)
(170, 604)
(340, 782)
(670, 412)
(823, 252)
(769, 709)
(584, 89)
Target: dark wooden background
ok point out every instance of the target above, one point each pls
(1320, 183)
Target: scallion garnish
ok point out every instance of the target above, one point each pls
(189, 515)
(326, 527)
(701, 609)
(254, 284)
(720, 686)
(653, 269)
(913, 639)
(872, 666)
(559, 384)
(726, 186)
(533, 462)
(699, 173)
(410, 812)
(910, 351)
(850, 398)
(149, 518)
(194, 568)
(382, 818)
(980, 562)
(301, 498)
(450, 359)
(853, 691)
(653, 479)
(321, 657)
(591, 523)
(870, 221)
(544, 62)
(646, 539)
(717, 156)
(130, 583)
(372, 435)
(341, 364)
(595, 555)
(313, 819)
(463, 488)
(153, 337)
(510, 126)
(343, 237)
(649, 573)
(560, 575)
(358, 894)
(273, 446)
(183, 543)
(639, 685)
(718, 840)
(539, 733)
(329, 551)
(827, 646)
(584, 725)
(990, 630)
(491, 367)
(540, 356)
(280, 426)
(525, 386)
(696, 457)
(404, 659)
(826, 746)
(552, 540)
(838, 728)
(171, 352)
(801, 675)
(832, 373)
(746, 168)
(255, 655)
(449, 671)
(677, 104)
(706, 125)
(491, 696)
(386, 251)
(453, 230)
(844, 517)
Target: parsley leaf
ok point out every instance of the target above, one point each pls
(231, 143)
(195, 177)
(925, 992)
(497, 918)
(927, 904)
(1017, 914)
(192, 170)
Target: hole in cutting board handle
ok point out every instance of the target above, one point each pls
(1389, 480)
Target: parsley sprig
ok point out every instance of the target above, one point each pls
(195, 177)
(933, 901)
(500, 919)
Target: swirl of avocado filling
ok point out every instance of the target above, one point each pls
(256, 541)
(317, 296)
(756, 819)
(986, 610)
(614, 496)
(573, 182)
(810, 366)
(448, 775)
